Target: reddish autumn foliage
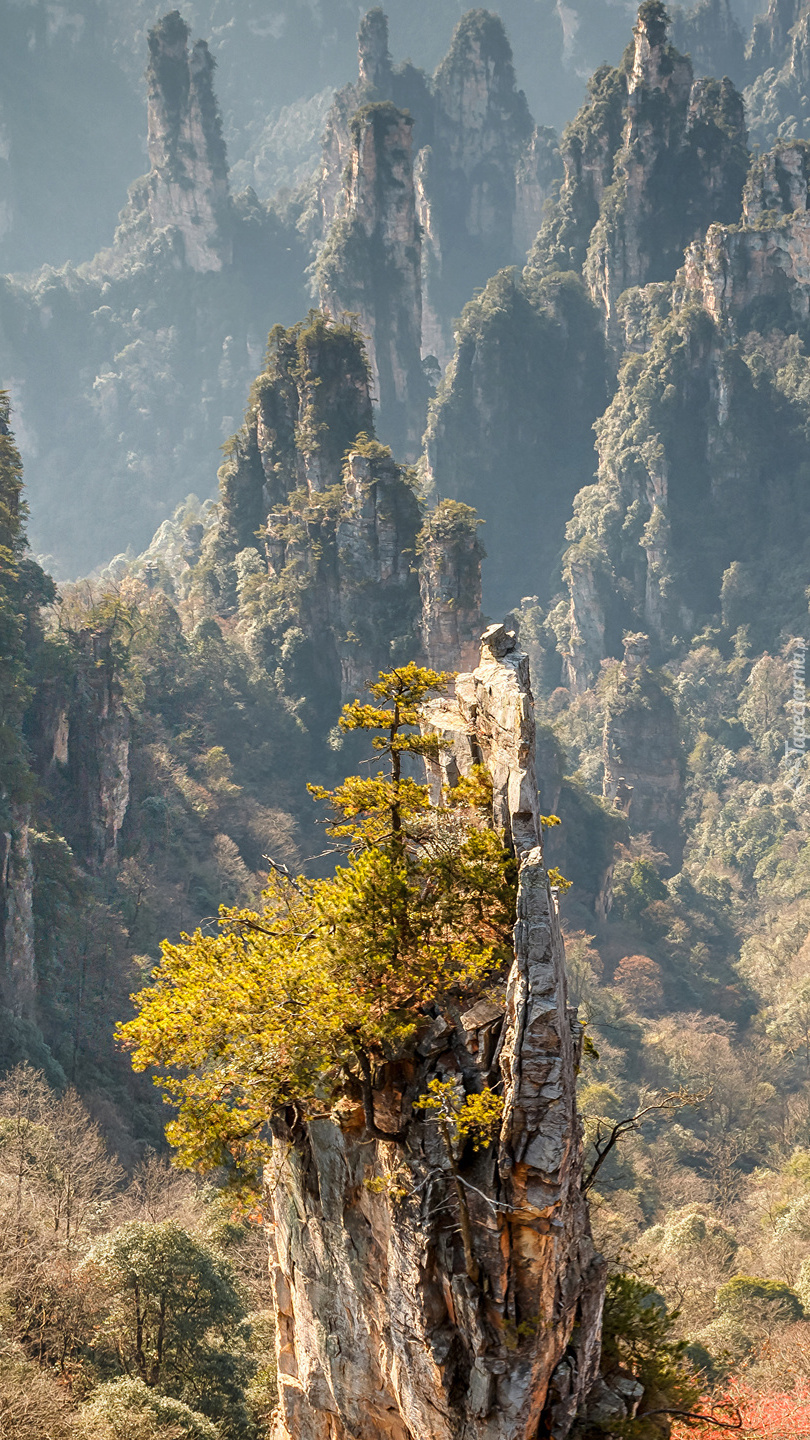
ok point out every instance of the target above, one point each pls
(639, 979)
(771, 1415)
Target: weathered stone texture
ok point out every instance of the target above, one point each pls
(768, 256)
(450, 585)
(381, 1331)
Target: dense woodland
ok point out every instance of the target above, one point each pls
(606, 429)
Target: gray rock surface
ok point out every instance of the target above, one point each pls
(381, 1330)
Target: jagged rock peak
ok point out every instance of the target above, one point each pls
(374, 61)
(657, 65)
(370, 265)
(628, 210)
(476, 88)
(186, 190)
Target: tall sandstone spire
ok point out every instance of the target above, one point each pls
(381, 1332)
(371, 266)
(186, 191)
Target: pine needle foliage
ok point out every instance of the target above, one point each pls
(293, 1004)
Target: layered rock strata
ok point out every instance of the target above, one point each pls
(380, 1329)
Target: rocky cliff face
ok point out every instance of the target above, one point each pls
(371, 265)
(511, 430)
(450, 585)
(482, 169)
(740, 270)
(705, 425)
(186, 190)
(777, 98)
(381, 1330)
(93, 743)
(319, 529)
(378, 80)
(484, 185)
(626, 211)
(641, 752)
(713, 39)
(17, 914)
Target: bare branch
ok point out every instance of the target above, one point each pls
(712, 1419)
(670, 1102)
(284, 871)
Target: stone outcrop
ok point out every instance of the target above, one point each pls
(765, 261)
(319, 548)
(627, 209)
(186, 191)
(450, 585)
(482, 170)
(92, 747)
(371, 265)
(381, 1332)
(643, 775)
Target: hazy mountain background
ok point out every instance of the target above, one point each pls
(72, 94)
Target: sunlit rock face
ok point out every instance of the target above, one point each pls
(381, 1330)
(745, 274)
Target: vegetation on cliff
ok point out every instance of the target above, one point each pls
(298, 1002)
(158, 721)
(518, 402)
